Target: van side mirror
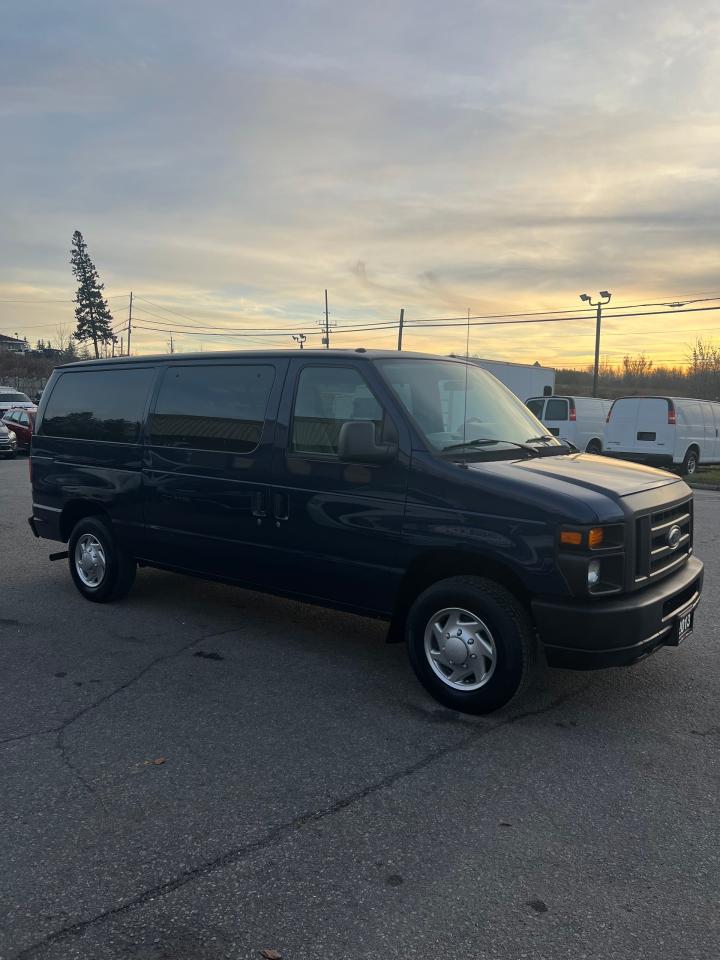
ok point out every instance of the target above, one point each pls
(357, 444)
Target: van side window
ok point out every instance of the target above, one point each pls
(212, 407)
(98, 405)
(327, 397)
(556, 409)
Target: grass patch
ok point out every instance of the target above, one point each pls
(704, 475)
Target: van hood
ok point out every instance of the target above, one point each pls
(602, 475)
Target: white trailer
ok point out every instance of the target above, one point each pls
(524, 379)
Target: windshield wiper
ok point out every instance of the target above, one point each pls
(489, 441)
(562, 443)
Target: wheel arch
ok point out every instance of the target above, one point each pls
(436, 565)
(75, 510)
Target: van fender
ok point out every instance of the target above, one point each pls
(436, 565)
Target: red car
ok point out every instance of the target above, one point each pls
(21, 422)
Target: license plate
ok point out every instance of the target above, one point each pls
(684, 627)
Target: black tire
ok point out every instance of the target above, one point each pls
(690, 463)
(594, 447)
(511, 630)
(119, 567)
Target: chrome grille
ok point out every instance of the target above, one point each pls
(656, 555)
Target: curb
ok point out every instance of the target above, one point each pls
(704, 486)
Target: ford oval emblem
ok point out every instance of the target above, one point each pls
(673, 537)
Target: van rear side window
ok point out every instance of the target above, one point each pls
(103, 405)
(212, 407)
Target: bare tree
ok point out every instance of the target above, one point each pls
(62, 337)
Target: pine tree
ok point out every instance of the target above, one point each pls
(92, 312)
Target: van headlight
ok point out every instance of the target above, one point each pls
(592, 558)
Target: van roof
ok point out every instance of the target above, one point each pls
(358, 352)
(648, 396)
(568, 396)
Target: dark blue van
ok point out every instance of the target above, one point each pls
(402, 486)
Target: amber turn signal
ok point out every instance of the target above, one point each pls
(572, 538)
(596, 537)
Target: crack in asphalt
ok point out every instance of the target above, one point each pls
(60, 729)
(278, 833)
(74, 771)
(64, 724)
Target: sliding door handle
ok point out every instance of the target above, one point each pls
(280, 506)
(258, 504)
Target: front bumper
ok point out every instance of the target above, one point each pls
(588, 635)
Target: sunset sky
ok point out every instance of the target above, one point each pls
(230, 160)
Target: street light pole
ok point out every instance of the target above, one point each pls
(299, 338)
(605, 296)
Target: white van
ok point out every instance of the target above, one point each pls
(579, 420)
(664, 431)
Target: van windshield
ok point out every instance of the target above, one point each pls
(433, 393)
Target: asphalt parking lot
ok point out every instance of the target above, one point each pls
(199, 772)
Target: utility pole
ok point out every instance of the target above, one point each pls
(299, 338)
(400, 328)
(326, 338)
(129, 322)
(122, 346)
(605, 296)
(171, 344)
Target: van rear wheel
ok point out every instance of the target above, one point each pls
(594, 447)
(690, 463)
(101, 569)
(471, 644)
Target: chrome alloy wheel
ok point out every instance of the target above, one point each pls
(90, 560)
(460, 649)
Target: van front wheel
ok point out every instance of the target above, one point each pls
(100, 568)
(471, 644)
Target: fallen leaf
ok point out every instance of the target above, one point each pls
(158, 760)
(505, 823)
(270, 954)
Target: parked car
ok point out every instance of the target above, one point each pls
(10, 398)
(21, 422)
(406, 487)
(665, 431)
(578, 420)
(8, 442)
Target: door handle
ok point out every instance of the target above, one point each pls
(258, 504)
(280, 506)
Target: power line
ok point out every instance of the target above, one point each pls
(367, 328)
(202, 333)
(115, 296)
